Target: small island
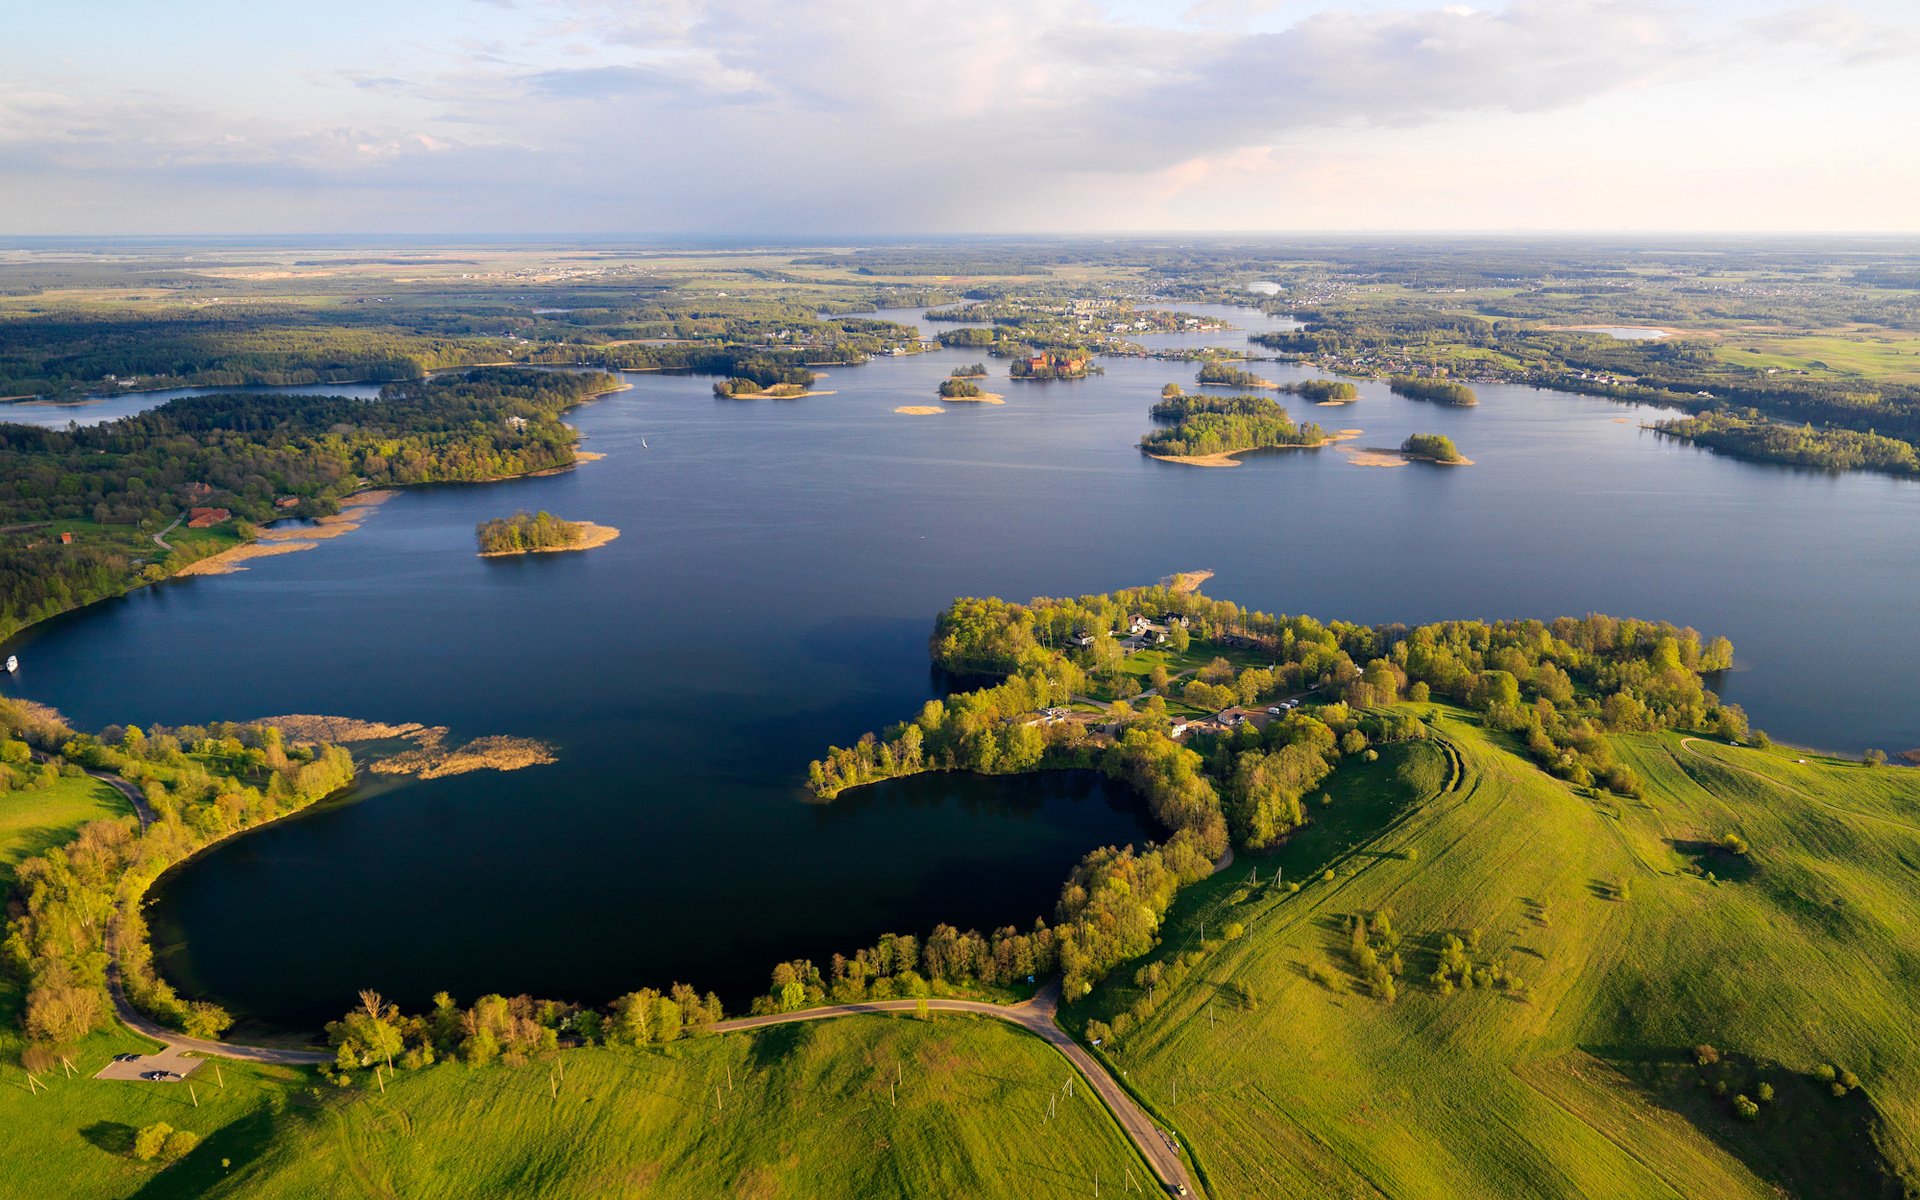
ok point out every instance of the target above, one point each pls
(975, 371)
(1433, 448)
(1220, 374)
(1325, 392)
(1207, 431)
(966, 389)
(1438, 391)
(793, 387)
(539, 533)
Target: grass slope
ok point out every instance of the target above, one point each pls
(808, 1114)
(1585, 1087)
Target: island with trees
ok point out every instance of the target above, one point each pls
(958, 388)
(1324, 391)
(1434, 448)
(1216, 373)
(539, 533)
(1211, 430)
(1436, 391)
(971, 371)
(792, 385)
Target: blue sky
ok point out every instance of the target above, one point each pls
(908, 116)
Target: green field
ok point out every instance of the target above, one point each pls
(1803, 952)
(1876, 355)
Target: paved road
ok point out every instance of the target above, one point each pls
(175, 1044)
(160, 539)
(1036, 1016)
(134, 795)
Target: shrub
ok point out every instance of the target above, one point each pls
(1764, 1092)
(1748, 1110)
(1705, 1055)
(178, 1145)
(148, 1143)
(1875, 758)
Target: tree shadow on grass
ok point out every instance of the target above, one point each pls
(111, 1136)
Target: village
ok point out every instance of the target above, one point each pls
(1146, 643)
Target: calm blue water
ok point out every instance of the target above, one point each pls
(780, 565)
(94, 409)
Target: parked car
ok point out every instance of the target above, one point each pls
(128, 1057)
(160, 1076)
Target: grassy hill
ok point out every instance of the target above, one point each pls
(1581, 1079)
(800, 1111)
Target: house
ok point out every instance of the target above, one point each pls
(1231, 717)
(287, 502)
(66, 539)
(1180, 727)
(1082, 639)
(193, 493)
(206, 518)
(1171, 619)
(1137, 624)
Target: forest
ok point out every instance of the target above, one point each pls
(260, 457)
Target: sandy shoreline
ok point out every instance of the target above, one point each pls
(783, 396)
(1384, 456)
(919, 410)
(591, 535)
(982, 398)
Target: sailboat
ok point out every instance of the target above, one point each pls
(643, 444)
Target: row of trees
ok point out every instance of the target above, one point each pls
(1220, 374)
(1323, 391)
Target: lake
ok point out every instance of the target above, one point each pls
(779, 569)
(92, 410)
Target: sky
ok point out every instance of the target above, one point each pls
(903, 117)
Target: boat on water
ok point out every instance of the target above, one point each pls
(13, 664)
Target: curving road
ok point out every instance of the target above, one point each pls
(1036, 1016)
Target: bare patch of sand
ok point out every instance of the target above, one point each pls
(1335, 403)
(1361, 457)
(228, 561)
(431, 757)
(588, 456)
(1184, 583)
(919, 410)
(982, 398)
(591, 535)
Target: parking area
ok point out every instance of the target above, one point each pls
(171, 1059)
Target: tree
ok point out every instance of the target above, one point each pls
(1875, 758)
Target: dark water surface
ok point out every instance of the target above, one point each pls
(778, 571)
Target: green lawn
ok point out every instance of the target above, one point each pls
(1585, 1086)
(34, 821)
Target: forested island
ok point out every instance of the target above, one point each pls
(792, 384)
(1208, 430)
(536, 533)
(1437, 391)
(1219, 374)
(1434, 448)
(247, 459)
(957, 388)
(1323, 391)
(972, 371)
(1749, 434)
